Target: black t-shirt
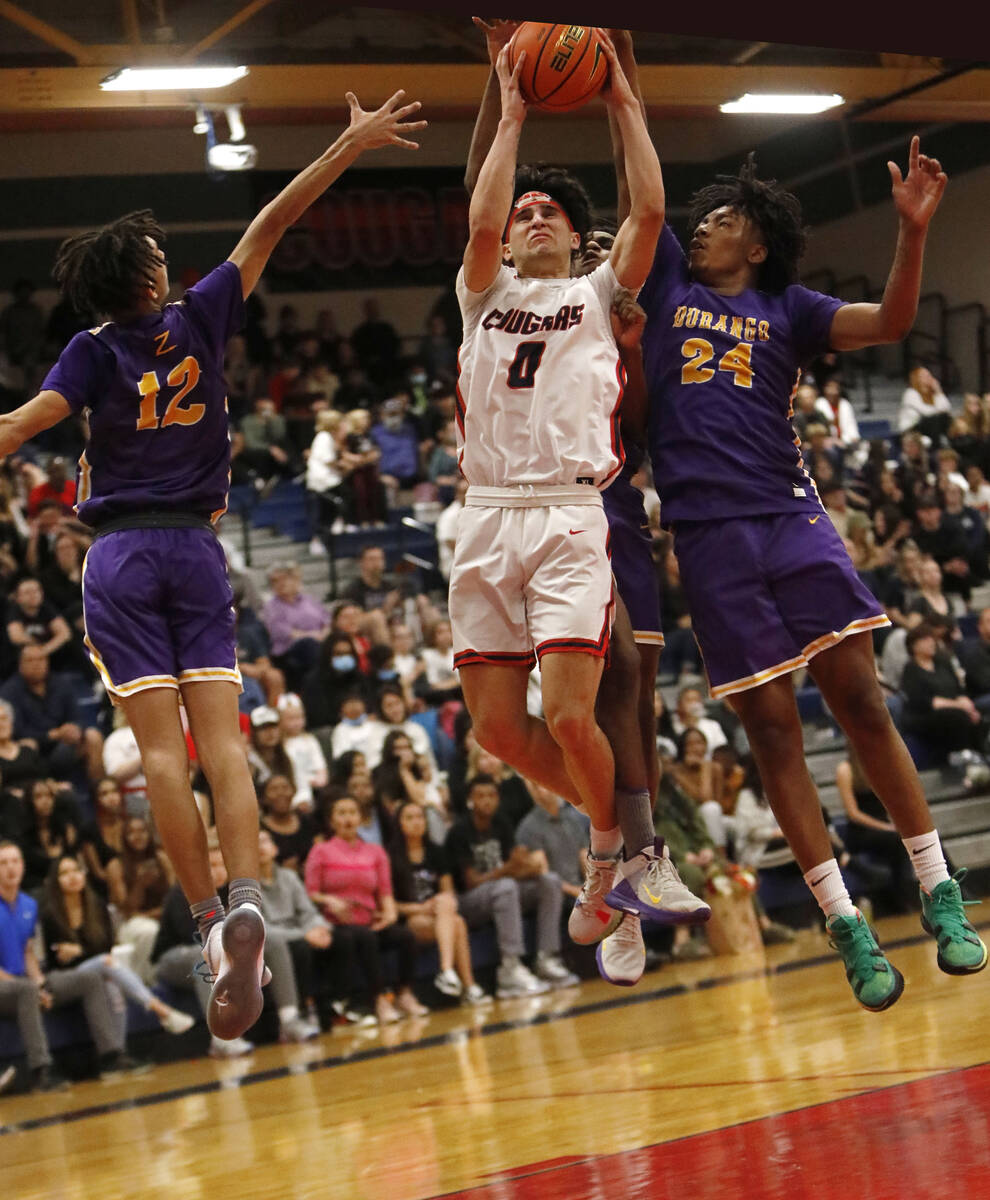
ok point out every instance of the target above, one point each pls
(467, 846)
(415, 883)
(921, 687)
(369, 597)
(38, 626)
(294, 845)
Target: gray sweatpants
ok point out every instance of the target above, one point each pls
(19, 998)
(505, 900)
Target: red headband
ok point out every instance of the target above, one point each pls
(528, 199)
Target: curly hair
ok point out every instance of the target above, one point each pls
(561, 186)
(104, 271)
(775, 211)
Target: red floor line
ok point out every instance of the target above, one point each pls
(920, 1139)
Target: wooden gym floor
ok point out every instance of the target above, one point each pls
(731, 1078)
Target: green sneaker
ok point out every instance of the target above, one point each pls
(943, 914)
(875, 983)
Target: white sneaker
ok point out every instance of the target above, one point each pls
(175, 1021)
(298, 1030)
(591, 918)
(552, 969)
(235, 1048)
(621, 957)
(448, 982)
(235, 952)
(476, 996)
(516, 980)
(653, 889)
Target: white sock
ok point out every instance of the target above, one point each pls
(606, 843)
(829, 889)
(287, 1013)
(925, 853)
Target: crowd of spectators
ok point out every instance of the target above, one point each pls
(386, 831)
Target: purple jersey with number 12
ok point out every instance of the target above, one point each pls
(722, 372)
(157, 405)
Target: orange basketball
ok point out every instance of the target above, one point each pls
(565, 65)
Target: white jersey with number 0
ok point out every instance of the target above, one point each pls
(540, 381)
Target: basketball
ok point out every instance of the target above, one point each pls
(565, 65)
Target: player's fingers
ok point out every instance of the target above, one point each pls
(406, 125)
(352, 101)
(482, 24)
(392, 101)
(407, 109)
(895, 173)
(519, 62)
(914, 152)
(935, 165)
(397, 141)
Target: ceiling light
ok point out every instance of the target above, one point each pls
(172, 79)
(771, 102)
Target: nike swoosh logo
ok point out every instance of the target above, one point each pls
(816, 882)
(812, 520)
(577, 531)
(923, 849)
(653, 899)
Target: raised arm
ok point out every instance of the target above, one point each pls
(916, 197)
(366, 131)
(492, 198)
(497, 34)
(636, 241)
(622, 40)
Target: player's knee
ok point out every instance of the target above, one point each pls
(160, 763)
(499, 735)
(571, 725)
(861, 707)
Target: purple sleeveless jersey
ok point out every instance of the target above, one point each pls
(156, 400)
(767, 579)
(722, 372)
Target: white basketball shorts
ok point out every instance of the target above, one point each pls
(531, 575)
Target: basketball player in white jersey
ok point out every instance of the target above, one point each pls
(538, 406)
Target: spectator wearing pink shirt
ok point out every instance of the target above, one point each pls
(350, 881)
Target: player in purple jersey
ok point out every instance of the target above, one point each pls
(153, 480)
(767, 578)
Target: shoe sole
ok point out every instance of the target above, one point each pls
(236, 1000)
(610, 926)
(624, 898)
(611, 979)
(950, 968)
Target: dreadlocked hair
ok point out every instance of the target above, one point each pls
(105, 271)
(775, 211)
(561, 186)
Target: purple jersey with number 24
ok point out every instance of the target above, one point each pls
(722, 371)
(155, 396)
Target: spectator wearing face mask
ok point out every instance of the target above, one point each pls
(398, 439)
(337, 674)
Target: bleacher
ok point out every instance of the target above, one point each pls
(275, 528)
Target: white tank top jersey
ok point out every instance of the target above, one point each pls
(540, 381)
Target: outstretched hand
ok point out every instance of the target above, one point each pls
(386, 125)
(513, 105)
(917, 195)
(616, 89)
(498, 33)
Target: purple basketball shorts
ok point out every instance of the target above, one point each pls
(158, 607)
(767, 593)
(632, 561)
